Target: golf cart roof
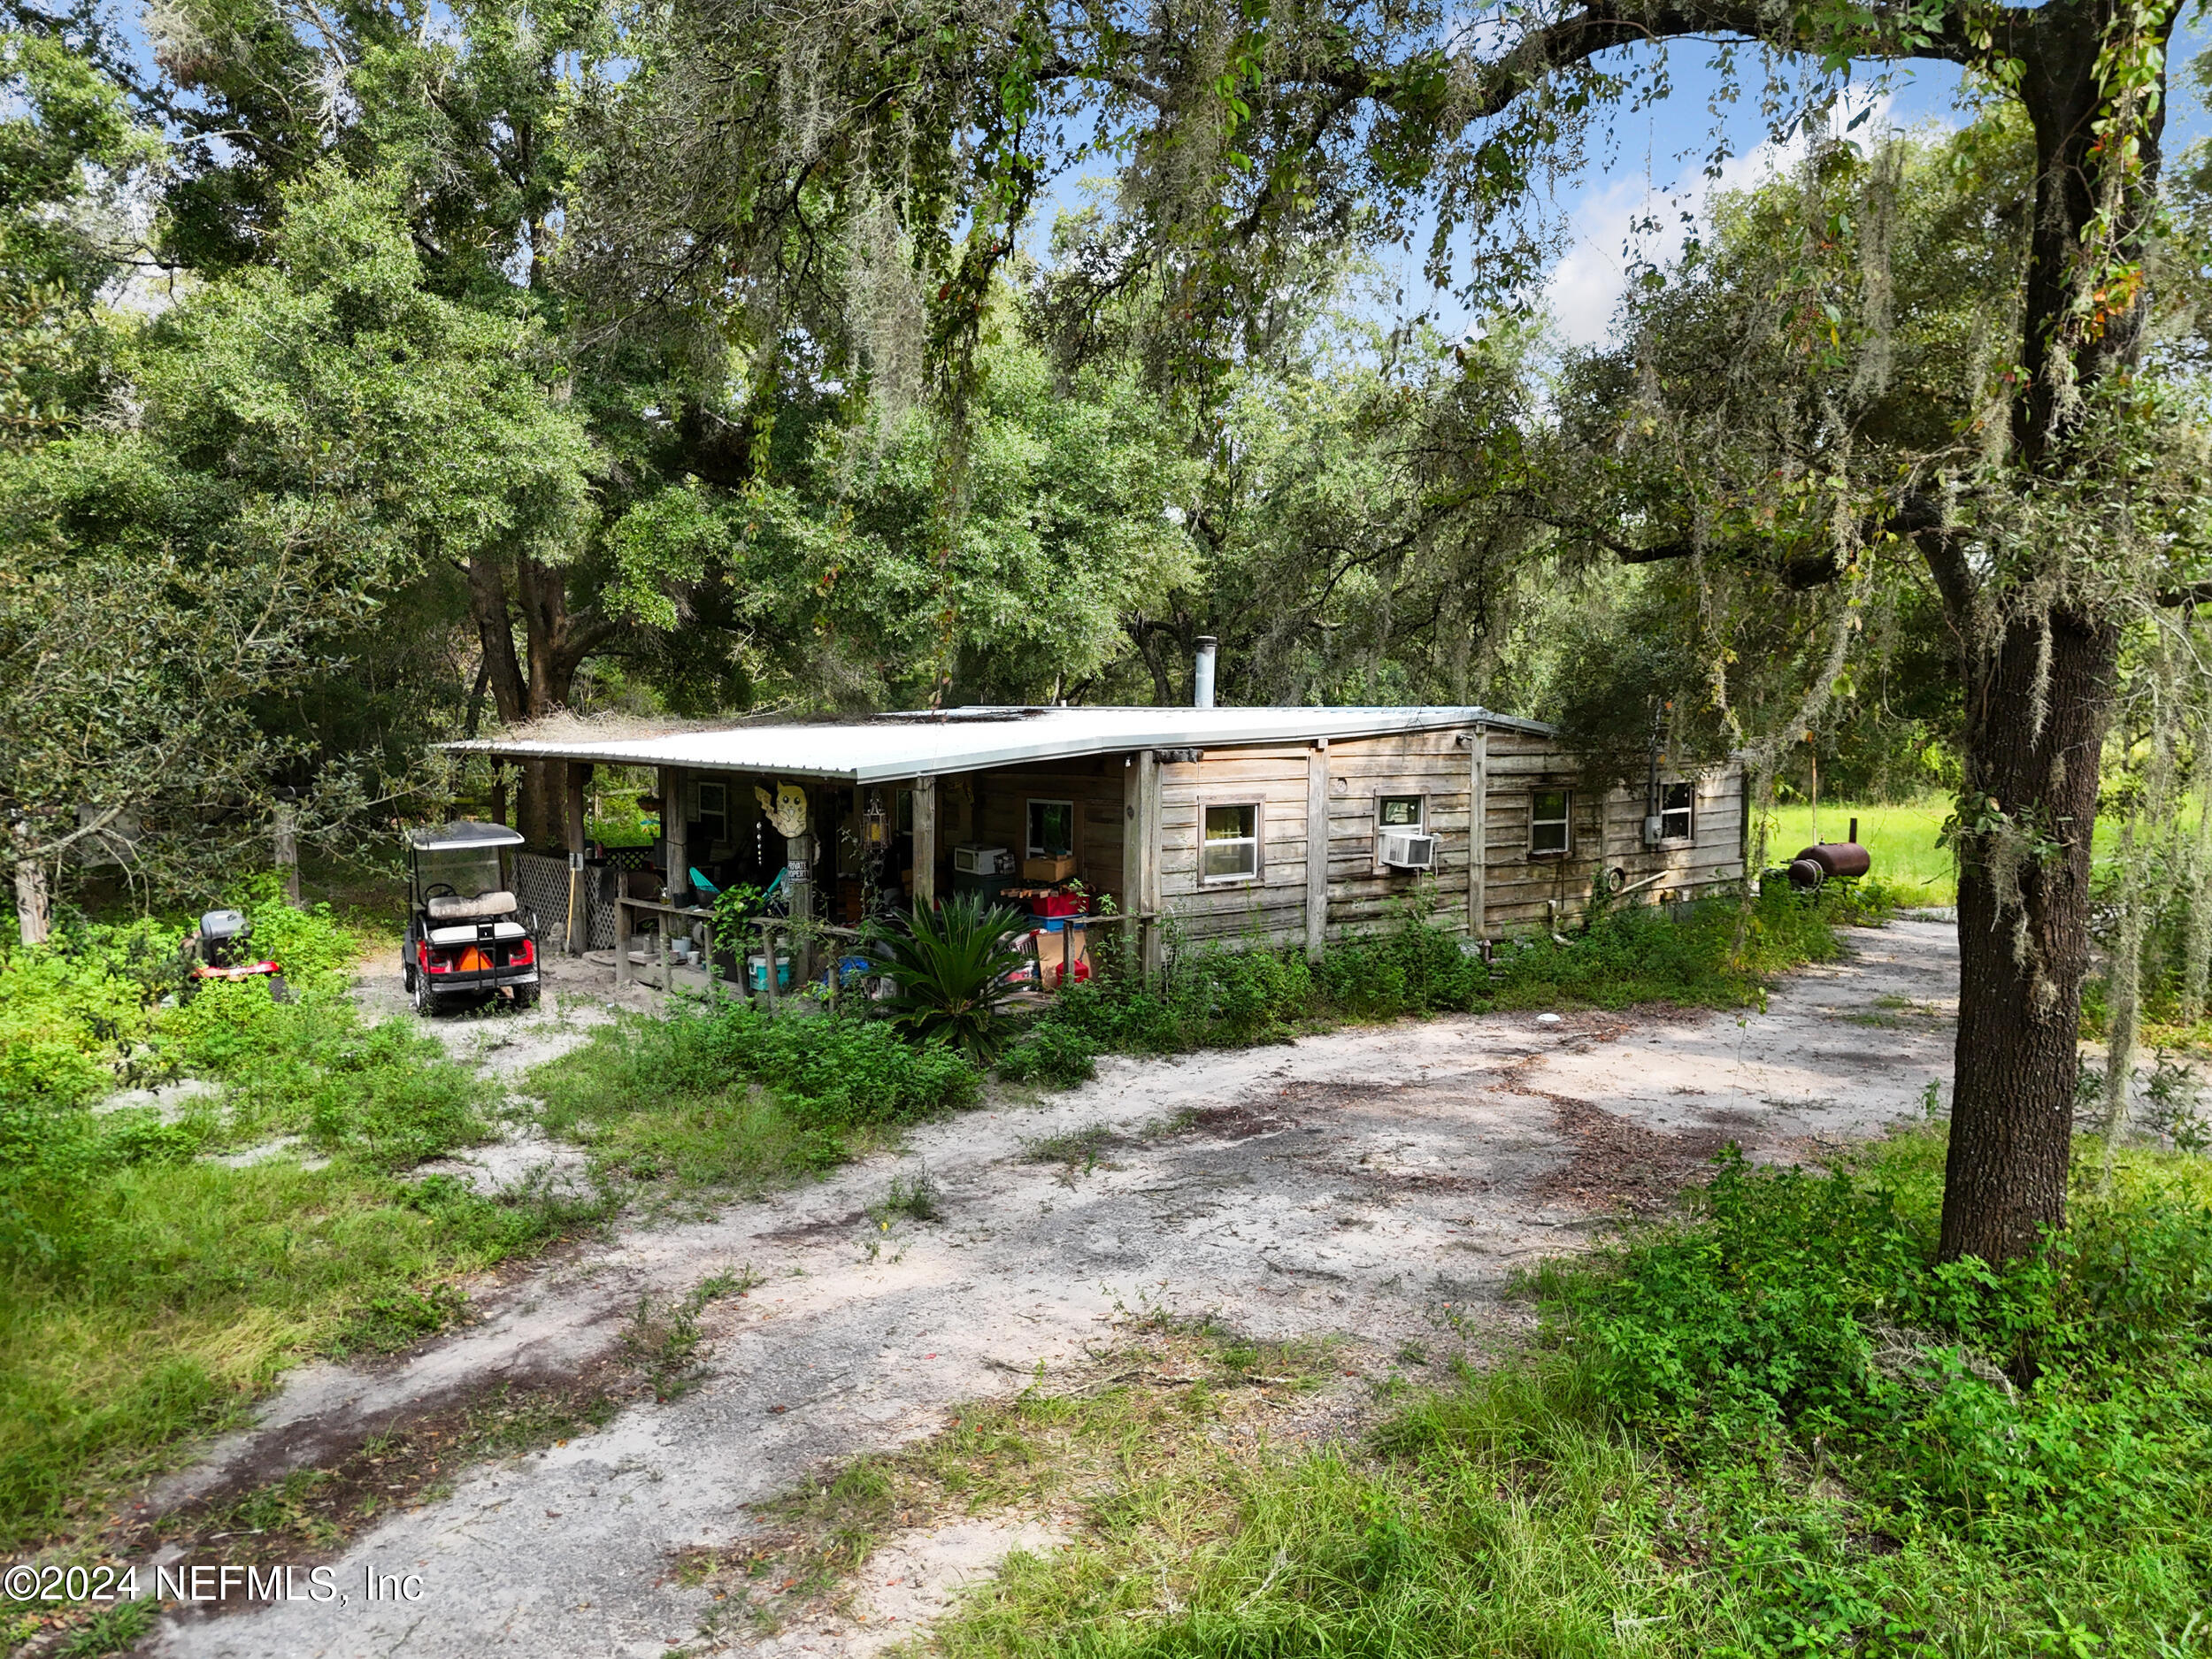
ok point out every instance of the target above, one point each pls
(463, 836)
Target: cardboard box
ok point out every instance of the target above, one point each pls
(1049, 869)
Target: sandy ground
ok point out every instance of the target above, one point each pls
(1378, 1185)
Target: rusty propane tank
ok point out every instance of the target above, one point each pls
(1829, 861)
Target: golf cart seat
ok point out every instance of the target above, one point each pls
(448, 906)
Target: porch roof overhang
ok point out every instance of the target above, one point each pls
(884, 748)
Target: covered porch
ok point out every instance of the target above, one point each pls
(834, 824)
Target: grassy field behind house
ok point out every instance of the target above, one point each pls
(1900, 838)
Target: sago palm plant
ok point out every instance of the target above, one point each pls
(947, 969)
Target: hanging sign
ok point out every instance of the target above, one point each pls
(786, 809)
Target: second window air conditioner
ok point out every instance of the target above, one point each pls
(1408, 849)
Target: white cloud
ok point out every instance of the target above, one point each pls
(1635, 221)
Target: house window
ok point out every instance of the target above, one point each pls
(1051, 829)
(1230, 850)
(1548, 830)
(713, 817)
(1400, 812)
(1675, 823)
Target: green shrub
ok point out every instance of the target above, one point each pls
(1415, 970)
(74, 1012)
(829, 1073)
(2065, 1399)
(1053, 1053)
(1221, 995)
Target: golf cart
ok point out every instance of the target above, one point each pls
(215, 949)
(466, 933)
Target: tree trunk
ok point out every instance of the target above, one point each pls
(534, 684)
(2035, 727)
(2066, 347)
(2024, 933)
(495, 632)
(34, 904)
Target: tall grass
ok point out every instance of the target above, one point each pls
(1710, 953)
(1901, 838)
(722, 1095)
(149, 1290)
(1778, 1428)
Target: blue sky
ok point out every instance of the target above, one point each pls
(1661, 163)
(1654, 168)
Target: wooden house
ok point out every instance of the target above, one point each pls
(1296, 825)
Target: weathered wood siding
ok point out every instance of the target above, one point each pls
(1608, 829)
(996, 814)
(1521, 891)
(1274, 778)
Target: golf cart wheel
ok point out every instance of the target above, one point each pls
(426, 999)
(279, 991)
(525, 997)
(407, 976)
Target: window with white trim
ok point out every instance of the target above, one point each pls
(1676, 819)
(1229, 843)
(1400, 812)
(1549, 832)
(1051, 829)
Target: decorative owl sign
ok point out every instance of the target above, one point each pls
(786, 809)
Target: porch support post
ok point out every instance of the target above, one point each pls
(1478, 833)
(799, 877)
(924, 843)
(1147, 832)
(624, 923)
(579, 904)
(674, 844)
(1317, 848)
(1132, 836)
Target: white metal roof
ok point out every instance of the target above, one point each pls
(893, 745)
(461, 835)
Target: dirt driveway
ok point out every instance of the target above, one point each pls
(1378, 1185)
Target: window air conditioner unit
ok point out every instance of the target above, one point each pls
(1408, 849)
(971, 860)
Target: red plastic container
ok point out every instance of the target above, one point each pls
(1058, 904)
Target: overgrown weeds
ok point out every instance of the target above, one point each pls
(151, 1291)
(1710, 955)
(1778, 1427)
(721, 1096)
(916, 1197)
(663, 1342)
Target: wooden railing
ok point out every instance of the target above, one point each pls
(770, 930)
